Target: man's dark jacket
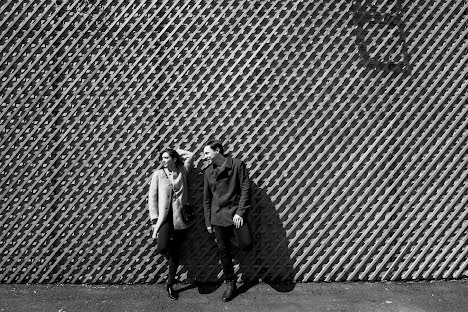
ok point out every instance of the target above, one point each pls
(226, 192)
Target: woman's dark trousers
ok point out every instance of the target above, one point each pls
(169, 243)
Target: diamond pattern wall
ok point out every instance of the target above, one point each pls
(350, 115)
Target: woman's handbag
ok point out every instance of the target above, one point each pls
(188, 213)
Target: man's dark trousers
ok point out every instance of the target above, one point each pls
(224, 236)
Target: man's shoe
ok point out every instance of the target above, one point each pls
(172, 293)
(230, 291)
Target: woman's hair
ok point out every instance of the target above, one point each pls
(173, 154)
(215, 144)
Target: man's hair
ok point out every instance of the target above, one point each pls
(215, 144)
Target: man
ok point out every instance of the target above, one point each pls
(226, 198)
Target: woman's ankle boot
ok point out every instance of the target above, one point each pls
(172, 293)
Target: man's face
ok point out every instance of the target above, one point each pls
(209, 153)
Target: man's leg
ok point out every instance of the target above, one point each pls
(222, 240)
(244, 237)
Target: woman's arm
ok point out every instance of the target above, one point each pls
(153, 198)
(187, 157)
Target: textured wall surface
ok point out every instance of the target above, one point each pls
(351, 117)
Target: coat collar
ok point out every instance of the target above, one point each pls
(228, 163)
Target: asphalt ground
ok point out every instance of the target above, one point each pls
(446, 296)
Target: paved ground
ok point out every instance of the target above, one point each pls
(446, 296)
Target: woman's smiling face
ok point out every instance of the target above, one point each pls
(166, 160)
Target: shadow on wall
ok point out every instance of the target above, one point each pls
(199, 256)
(269, 261)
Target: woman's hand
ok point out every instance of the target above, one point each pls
(155, 231)
(187, 157)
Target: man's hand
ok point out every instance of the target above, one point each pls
(238, 221)
(209, 229)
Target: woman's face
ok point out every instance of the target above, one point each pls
(166, 160)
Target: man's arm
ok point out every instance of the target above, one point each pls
(244, 201)
(207, 197)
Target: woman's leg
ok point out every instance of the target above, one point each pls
(174, 252)
(164, 237)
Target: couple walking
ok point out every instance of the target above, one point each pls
(226, 198)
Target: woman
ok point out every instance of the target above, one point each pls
(167, 195)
